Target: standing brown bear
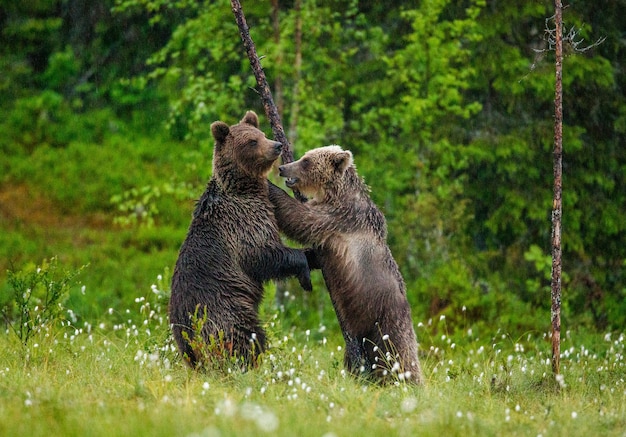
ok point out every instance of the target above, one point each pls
(348, 233)
(232, 246)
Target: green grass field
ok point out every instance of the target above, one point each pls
(102, 363)
(121, 376)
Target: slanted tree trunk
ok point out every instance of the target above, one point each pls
(557, 202)
(269, 106)
(264, 90)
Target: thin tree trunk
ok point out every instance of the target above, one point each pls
(264, 89)
(557, 202)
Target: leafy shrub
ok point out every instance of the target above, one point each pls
(39, 119)
(139, 206)
(61, 67)
(39, 293)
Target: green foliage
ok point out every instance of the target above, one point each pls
(30, 31)
(130, 161)
(198, 68)
(430, 72)
(36, 120)
(447, 107)
(39, 293)
(139, 205)
(543, 265)
(61, 66)
(510, 168)
(416, 173)
(317, 98)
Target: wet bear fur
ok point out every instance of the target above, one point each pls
(232, 247)
(348, 233)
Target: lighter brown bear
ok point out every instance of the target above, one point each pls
(232, 247)
(348, 233)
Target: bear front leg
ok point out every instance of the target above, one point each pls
(292, 259)
(295, 219)
(312, 258)
(281, 263)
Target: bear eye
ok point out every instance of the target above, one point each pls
(252, 143)
(306, 163)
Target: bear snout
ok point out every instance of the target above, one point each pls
(283, 170)
(278, 147)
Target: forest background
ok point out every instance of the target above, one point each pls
(447, 106)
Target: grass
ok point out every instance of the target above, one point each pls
(108, 367)
(121, 376)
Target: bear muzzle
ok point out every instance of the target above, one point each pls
(278, 147)
(291, 182)
(283, 171)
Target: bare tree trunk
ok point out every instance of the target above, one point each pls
(264, 89)
(557, 202)
(271, 110)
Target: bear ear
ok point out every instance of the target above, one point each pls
(251, 118)
(220, 131)
(342, 160)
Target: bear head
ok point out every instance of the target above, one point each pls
(319, 171)
(243, 148)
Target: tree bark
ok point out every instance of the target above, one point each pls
(264, 90)
(557, 200)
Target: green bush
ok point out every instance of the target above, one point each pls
(39, 294)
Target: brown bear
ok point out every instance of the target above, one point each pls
(348, 233)
(232, 247)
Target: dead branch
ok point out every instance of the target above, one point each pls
(264, 89)
(569, 38)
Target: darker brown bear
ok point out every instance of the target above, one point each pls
(232, 246)
(348, 233)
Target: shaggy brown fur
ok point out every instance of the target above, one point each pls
(348, 233)
(232, 247)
